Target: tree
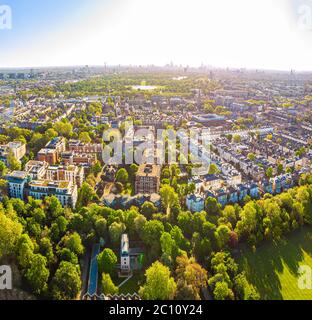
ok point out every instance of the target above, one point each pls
(168, 248)
(168, 197)
(63, 128)
(248, 223)
(53, 207)
(251, 156)
(97, 168)
(150, 234)
(191, 188)
(280, 169)
(13, 163)
(191, 274)
(50, 134)
(3, 168)
(212, 206)
(148, 209)
(224, 233)
(269, 172)
(152, 231)
(4, 139)
(38, 274)
(66, 255)
(115, 231)
(233, 239)
(122, 176)
(84, 137)
(107, 261)
(108, 286)
(66, 283)
(222, 291)
(101, 227)
(74, 244)
(3, 187)
(304, 195)
(213, 169)
(25, 251)
(159, 284)
(245, 290)
(236, 138)
(86, 195)
(229, 213)
(301, 152)
(133, 169)
(10, 232)
(185, 291)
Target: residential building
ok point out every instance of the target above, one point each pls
(195, 203)
(65, 191)
(70, 173)
(147, 180)
(58, 144)
(17, 149)
(36, 169)
(78, 159)
(17, 181)
(80, 147)
(48, 155)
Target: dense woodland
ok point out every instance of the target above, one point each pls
(185, 252)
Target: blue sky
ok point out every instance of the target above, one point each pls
(240, 33)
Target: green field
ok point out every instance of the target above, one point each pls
(273, 269)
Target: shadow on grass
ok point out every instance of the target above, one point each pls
(263, 265)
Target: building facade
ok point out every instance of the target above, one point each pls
(147, 180)
(65, 191)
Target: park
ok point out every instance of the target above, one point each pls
(274, 268)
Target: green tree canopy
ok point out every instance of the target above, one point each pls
(159, 284)
(107, 261)
(66, 283)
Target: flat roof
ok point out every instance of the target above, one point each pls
(18, 175)
(48, 183)
(148, 170)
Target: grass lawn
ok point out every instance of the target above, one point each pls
(133, 285)
(273, 269)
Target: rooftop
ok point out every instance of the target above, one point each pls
(52, 184)
(148, 170)
(18, 175)
(46, 151)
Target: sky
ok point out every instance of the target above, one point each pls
(263, 34)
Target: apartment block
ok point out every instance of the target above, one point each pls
(65, 191)
(18, 149)
(84, 159)
(48, 155)
(17, 182)
(80, 147)
(36, 169)
(147, 179)
(70, 173)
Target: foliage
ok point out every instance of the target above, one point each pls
(159, 284)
